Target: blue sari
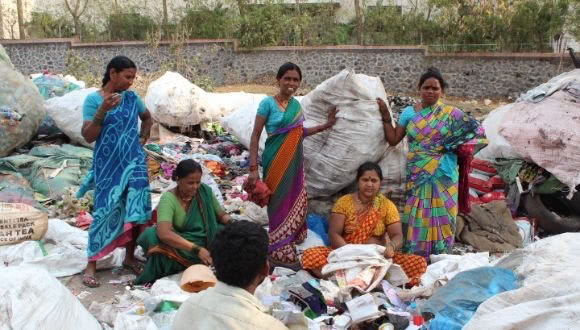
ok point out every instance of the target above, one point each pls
(119, 178)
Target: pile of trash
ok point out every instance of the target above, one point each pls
(51, 86)
(533, 157)
(531, 162)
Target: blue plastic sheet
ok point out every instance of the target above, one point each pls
(455, 303)
(319, 225)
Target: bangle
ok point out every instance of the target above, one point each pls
(195, 249)
(253, 168)
(387, 122)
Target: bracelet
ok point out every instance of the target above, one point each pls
(253, 168)
(195, 249)
(387, 122)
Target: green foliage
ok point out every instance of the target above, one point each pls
(79, 67)
(207, 23)
(443, 25)
(129, 26)
(44, 25)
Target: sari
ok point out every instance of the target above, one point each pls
(435, 134)
(200, 227)
(283, 165)
(119, 177)
(358, 229)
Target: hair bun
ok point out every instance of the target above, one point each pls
(433, 70)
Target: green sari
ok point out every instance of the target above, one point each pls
(200, 227)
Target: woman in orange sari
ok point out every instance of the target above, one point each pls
(366, 217)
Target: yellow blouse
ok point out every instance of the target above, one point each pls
(347, 207)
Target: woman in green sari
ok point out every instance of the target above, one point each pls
(188, 218)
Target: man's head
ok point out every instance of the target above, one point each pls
(240, 254)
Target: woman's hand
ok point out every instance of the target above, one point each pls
(252, 179)
(389, 250)
(205, 257)
(384, 110)
(110, 101)
(331, 117)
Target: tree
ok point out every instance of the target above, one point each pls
(165, 16)
(1, 21)
(359, 11)
(76, 11)
(20, 11)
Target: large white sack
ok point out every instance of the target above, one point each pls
(498, 146)
(31, 298)
(67, 113)
(21, 109)
(549, 297)
(66, 251)
(333, 157)
(175, 101)
(241, 124)
(394, 168)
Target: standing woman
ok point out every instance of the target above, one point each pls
(282, 161)
(119, 172)
(436, 133)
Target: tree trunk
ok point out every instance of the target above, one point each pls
(1, 21)
(165, 18)
(359, 21)
(20, 19)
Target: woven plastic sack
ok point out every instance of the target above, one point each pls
(67, 113)
(4, 56)
(21, 222)
(333, 157)
(21, 109)
(31, 299)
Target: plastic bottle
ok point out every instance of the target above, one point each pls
(415, 311)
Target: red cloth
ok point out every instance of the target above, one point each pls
(465, 156)
(260, 195)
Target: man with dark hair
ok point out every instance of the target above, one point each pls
(240, 258)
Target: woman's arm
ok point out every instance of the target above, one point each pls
(168, 236)
(394, 135)
(146, 123)
(224, 218)
(321, 128)
(254, 145)
(393, 238)
(336, 229)
(91, 130)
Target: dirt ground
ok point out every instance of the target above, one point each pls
(104, 294)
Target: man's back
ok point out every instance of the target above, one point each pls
(224, 307)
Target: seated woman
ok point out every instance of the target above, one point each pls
(366, 217)
(189, 217)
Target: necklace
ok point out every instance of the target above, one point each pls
(184, 203)
(363, 204)
(281, 103)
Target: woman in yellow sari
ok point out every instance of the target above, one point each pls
(366, 217)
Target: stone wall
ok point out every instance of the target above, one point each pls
(470, 75)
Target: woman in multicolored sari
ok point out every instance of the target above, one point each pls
(282, 161)
(436, 134)
(119, 173)
(365, 217)
(188, 219)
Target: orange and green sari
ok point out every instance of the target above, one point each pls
(358, 229)
(283, 164)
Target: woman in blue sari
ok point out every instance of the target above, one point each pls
(119, 173)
